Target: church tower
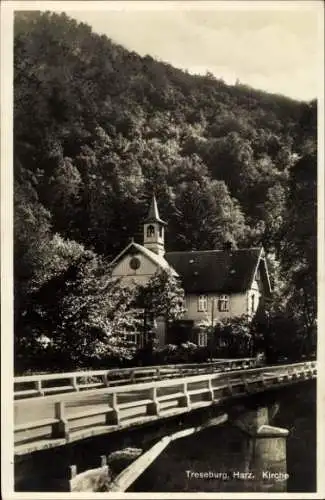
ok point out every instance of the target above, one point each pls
(154, 230)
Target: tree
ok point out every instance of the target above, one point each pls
(161, 296)
(206, 215)
(61, 190)
(299, 245)
(84, 313)
(32, 237)
(231, 337)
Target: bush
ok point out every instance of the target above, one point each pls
(231, 338)
(284, 339)
(172, 354)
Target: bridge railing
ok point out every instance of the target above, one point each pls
(58, 419)
(44, 384)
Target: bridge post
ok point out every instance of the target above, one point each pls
(265, 461)
(61, 427)
(185, 401)
(113, 416)
(154, 407)
(39, 387)
(211, 390)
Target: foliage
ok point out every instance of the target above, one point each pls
(282, 338)
(184, 353)
(108, 126)
(98, 128)
(83, 312)
(299, 243)
(162, 295)
(231, 337)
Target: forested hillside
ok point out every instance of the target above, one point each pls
(97, 129)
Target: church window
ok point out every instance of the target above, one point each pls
(224, 303)
(160, 231)
(202, 303)
(150, 231)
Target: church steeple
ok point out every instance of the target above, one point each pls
(153, 230)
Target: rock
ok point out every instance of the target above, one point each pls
(120, 459)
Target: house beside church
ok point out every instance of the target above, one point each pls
(217, 283)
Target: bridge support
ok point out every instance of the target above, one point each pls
(265, 461)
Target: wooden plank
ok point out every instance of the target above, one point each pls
(26, 392)
(63, 388)
(134, 470)
(131, 404)
(36, 423)
(89, 413)
(93, 384)
(174, 395)
(198, 391)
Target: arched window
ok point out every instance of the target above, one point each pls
(160, 231)
(150, 231)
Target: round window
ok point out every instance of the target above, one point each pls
(134, 263)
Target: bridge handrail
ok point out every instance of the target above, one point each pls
(231, 376)
(89, 373)
(107, 376)
(156, 384)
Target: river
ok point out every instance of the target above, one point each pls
(219, 450)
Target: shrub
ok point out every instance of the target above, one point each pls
(231, 338)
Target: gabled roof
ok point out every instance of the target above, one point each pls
(153, 214)
(133, 247)
(217, 270)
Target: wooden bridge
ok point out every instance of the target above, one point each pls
(54, 410)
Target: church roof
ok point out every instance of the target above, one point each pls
(220, 271)
(153, 214)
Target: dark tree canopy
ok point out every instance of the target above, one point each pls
(97, 128)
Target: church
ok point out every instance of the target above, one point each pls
(217, 283)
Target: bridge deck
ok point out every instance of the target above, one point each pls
(53, 420)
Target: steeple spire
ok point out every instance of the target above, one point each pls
(153, 214)
(153, 230)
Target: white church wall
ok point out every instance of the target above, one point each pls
(141, 275)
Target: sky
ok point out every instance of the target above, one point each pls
(276, 48)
